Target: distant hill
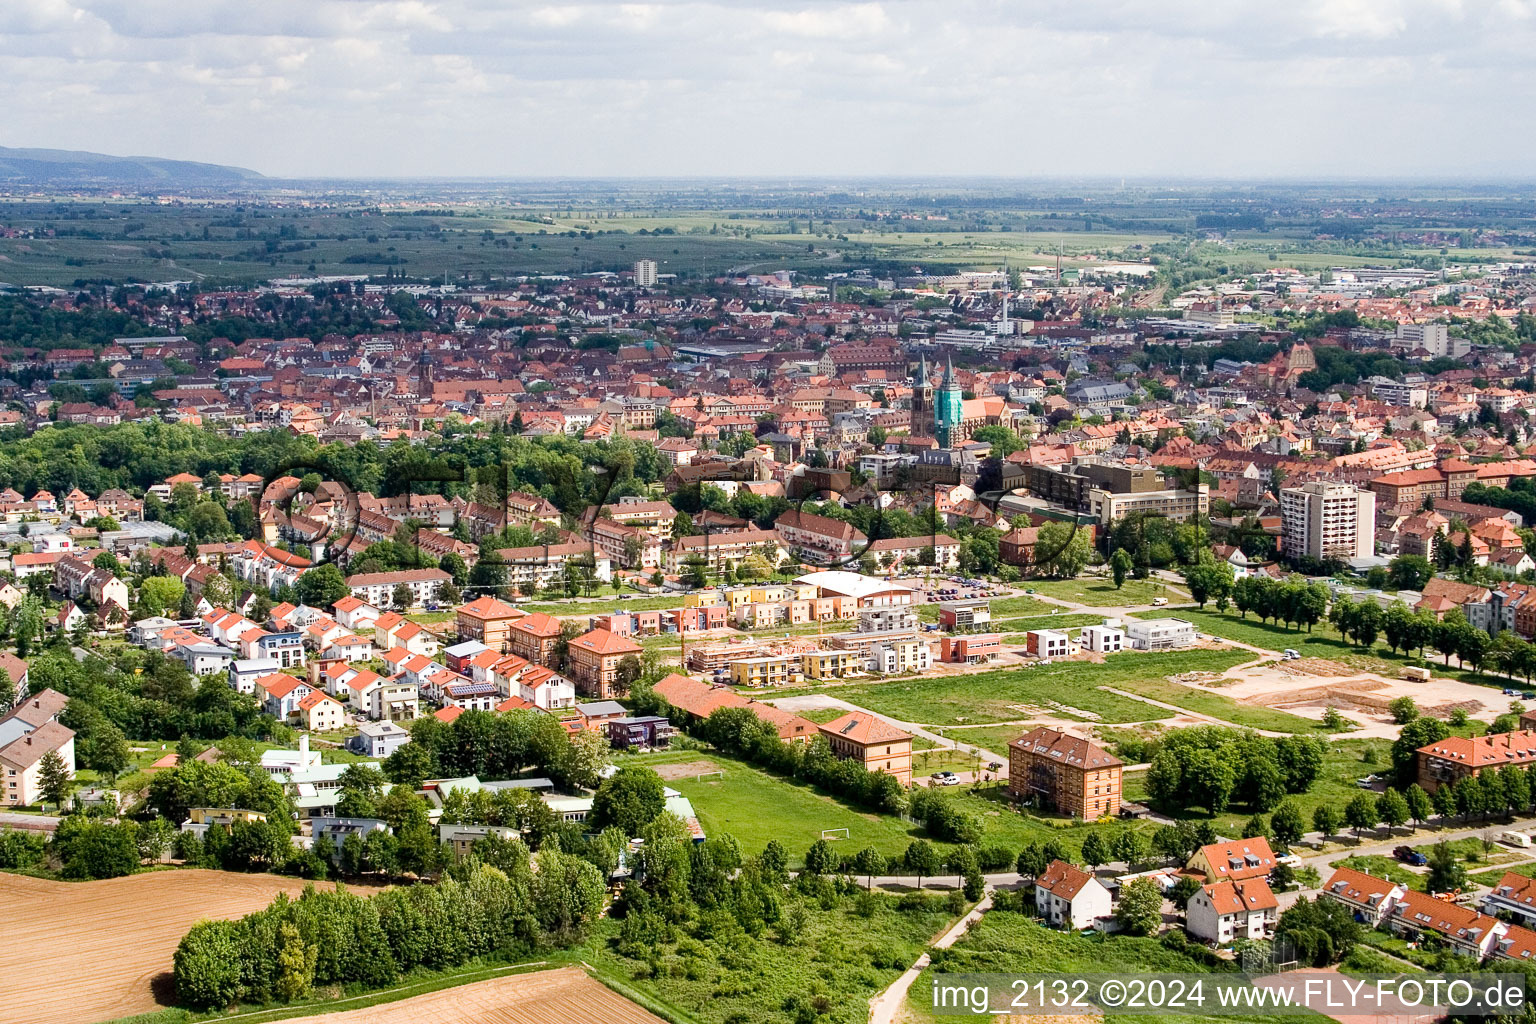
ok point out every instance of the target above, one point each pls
(63, 166)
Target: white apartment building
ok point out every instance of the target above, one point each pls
(1327, 520)
(645, 273)
(1433, 338)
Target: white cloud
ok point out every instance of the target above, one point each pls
(799, 87)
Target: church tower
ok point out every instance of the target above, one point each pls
(947, 409)
(922, 395)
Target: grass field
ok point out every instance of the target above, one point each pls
(756, 806)
(1385, 867)
(1009, 694)
(1098, 592)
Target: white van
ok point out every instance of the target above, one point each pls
(1289, 654)
(1158, 602)
(1519, 839)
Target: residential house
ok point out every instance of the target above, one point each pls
(378, 588)
(1369, 898)
(488, 621)
(1068, 897)
(1234, 860)
(1223, 911)
(319, 712)
(379, 739)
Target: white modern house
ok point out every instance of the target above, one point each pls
(1160, 634)
(1104, 639)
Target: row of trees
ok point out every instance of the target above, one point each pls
(740, 733)
(340, 938)
(1294, 602)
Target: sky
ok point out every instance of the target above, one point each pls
(774, 88)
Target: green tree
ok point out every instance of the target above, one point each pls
(295, 963)
(1446, 873)
(1403, 710)
(1360, 813)
(869, 862)
(628, 800)
(1326, 819)
(1095, 850)
(1392, 809)
(1419, 806)
(159, 594)
(54, 781)
(921, 859)
(1286, 824)
(321, 586)
(1420, 732)
(1119, 564)
(819, 859)
(207, 965)
(1140, 910)
(402, 597)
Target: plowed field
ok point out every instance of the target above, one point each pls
(80, 952)
(564, 996)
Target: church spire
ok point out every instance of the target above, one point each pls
(949, 370)
(922, 370)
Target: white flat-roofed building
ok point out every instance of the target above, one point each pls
(868, 591)
(1160, 634)
(1105, 639)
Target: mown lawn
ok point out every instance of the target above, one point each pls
(1100, 592)
(755, 806)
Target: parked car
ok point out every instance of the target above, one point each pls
(1408, 855)
(945, 779)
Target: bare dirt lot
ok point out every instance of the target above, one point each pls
(1310, 685)
(78, 952)
(685, 769)
(566, 995)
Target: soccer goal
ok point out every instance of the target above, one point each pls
(832, 833)
(704, 775)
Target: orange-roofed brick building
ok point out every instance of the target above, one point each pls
(1447, 761)
(487, 620)
(879, 745)
(594, 662)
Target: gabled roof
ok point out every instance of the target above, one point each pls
(1063, 880)
(864, 728)
(1240, 858)
(1235, 897)
(605, 644)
